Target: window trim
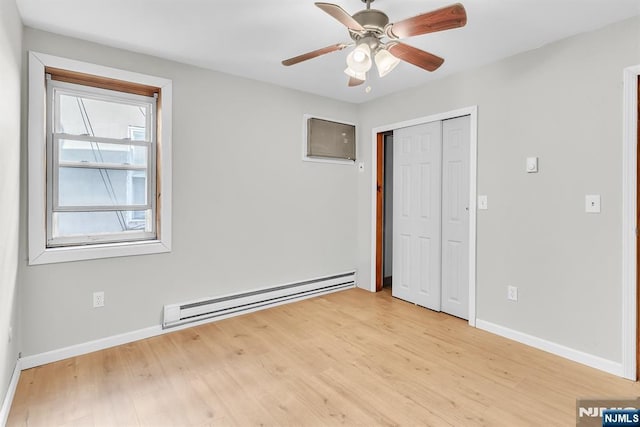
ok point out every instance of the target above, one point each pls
(37, 152)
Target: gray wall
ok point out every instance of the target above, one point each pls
(10, 76)
(247, 211)
(562, 103)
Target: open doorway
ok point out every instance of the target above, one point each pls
(384, 211)
(386, 195)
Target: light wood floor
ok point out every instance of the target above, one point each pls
(351, 357)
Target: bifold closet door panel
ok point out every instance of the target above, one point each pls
(455, 216)
(417, 183)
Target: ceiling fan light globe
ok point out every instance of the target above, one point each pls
(355, 74)
(385, 62)
(359, 59)
(359, 56)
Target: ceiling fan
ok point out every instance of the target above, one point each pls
(369, 28)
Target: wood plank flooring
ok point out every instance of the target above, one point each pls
(352, 358)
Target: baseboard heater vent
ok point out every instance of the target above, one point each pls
(231, 305)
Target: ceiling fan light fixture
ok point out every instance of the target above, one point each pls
(368, 29)
(359, 60)
(385, 62)
(355, 74)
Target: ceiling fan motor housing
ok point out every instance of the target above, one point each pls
(372, 20)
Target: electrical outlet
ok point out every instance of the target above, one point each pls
(512, 293)
(98, 299)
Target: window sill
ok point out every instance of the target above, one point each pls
(329, 160)
(106, 250)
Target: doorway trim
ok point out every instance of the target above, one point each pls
(629, 212)
(472, 112)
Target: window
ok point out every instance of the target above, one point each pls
(100, 179)
(98, 194)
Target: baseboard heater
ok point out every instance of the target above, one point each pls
(226, 306)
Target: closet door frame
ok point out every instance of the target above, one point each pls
(472, 112)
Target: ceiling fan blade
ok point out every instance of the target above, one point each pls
(341, 15)
(446, 18)
(313, 54)
(355, 82)
(419, 58)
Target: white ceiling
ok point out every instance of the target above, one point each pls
(250, 38)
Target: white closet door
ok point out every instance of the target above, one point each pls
(455, 216)
(417, 182)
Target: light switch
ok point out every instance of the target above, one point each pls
(483, 203)
(592, 203)
(532, 164)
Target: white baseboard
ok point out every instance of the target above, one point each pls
(32, 361)
(88, 347)
(596, 362)
(28, 362)
(11, 391)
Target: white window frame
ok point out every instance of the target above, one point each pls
(54, 88)
(39, 253)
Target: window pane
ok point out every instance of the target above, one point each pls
(67, 224)
(100, 187)
(139, 194)
(137, 133)
(80, 115)
(99, 152)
